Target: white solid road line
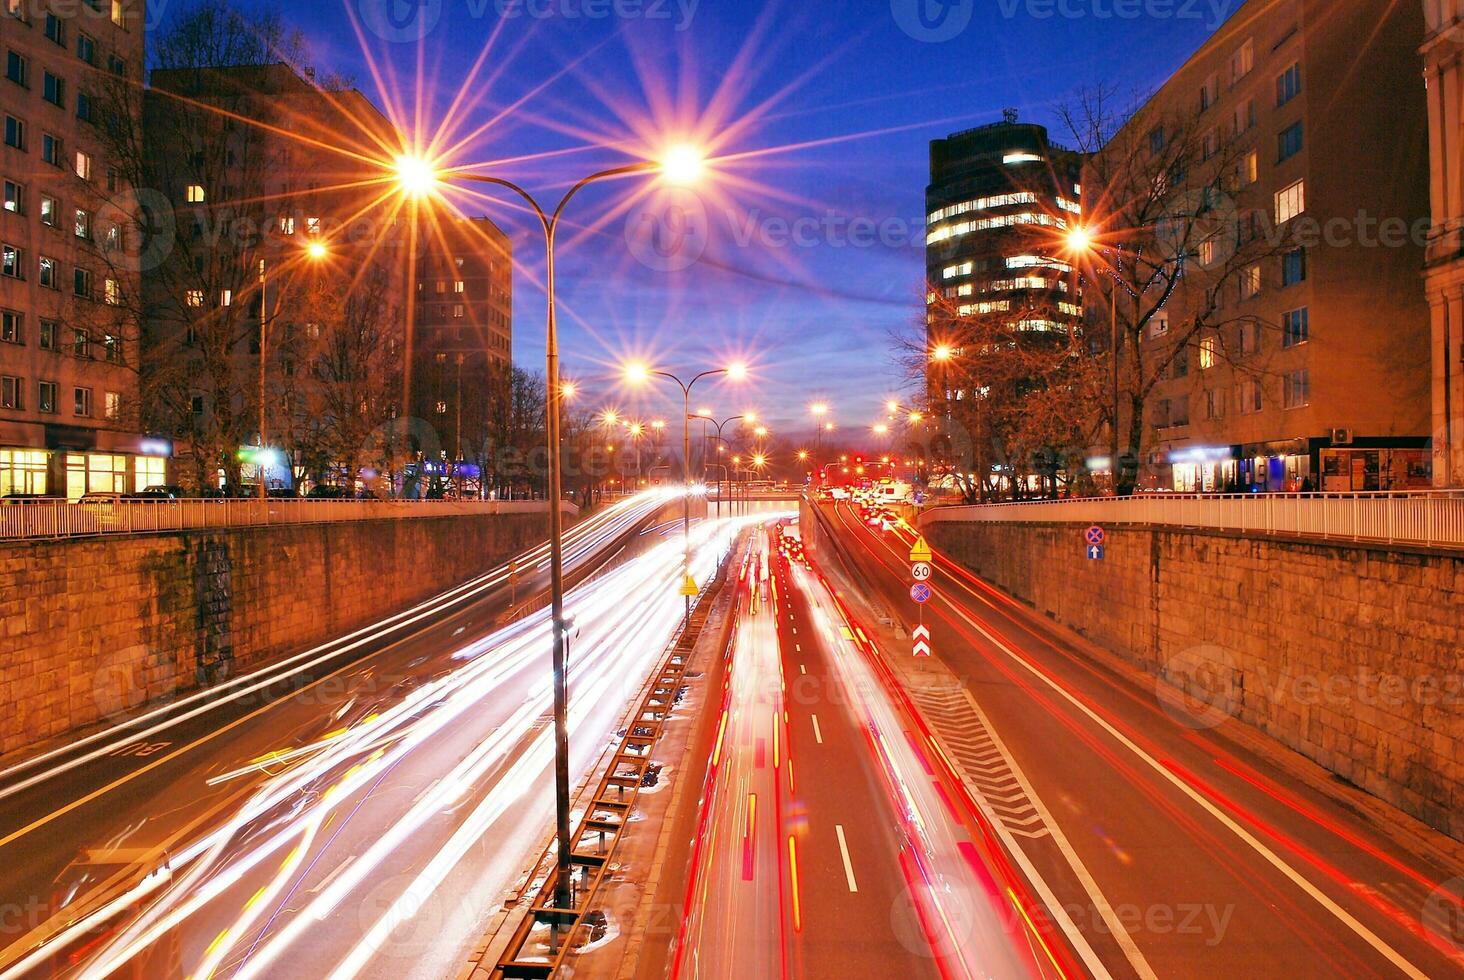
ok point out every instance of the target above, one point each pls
(1403, 965)
(844, 850)
(817, 732)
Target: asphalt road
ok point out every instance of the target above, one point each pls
(361, 815)
(829, 846)
(1165, 848)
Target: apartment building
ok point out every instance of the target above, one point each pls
(998, 200)
(1316, 372)
(69, 338)
(1442, 49)
(285, 281)
(464, 337)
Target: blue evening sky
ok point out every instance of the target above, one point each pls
(804, 251)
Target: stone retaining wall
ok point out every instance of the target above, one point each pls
(94, 626)
(1353, 656)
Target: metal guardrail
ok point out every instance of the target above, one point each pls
(63, 519)
(547, 933)
(1428, 518)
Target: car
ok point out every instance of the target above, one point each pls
(154, 493)
(28, 498)
(328, 491)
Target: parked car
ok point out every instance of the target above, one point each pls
(327, 491)
(28, 498)
(156, 493)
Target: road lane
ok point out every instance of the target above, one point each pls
(395, 695)
(930, 904)
(1218, 859)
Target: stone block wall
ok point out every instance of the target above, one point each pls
(1351, 655)
(94, 626)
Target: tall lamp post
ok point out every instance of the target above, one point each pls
(417, 177)
(640, 374)
(705, 416)
(1081, 245)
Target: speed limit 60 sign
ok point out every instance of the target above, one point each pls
(921, 571)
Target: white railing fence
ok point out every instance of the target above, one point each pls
(60, 518)
(1430, 518)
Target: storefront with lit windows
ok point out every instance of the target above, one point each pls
(1296, 465)
(75, 462)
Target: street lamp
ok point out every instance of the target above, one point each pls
(642, 373)
(418, 177)
(1081, 245)
(705, 415)
(315, 251)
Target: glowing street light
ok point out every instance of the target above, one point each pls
(683, 164)
(1079, 239)
(417, 178)
(942, 353)
(641, 373)
(818, 409)
(415, 175)
(881, 429)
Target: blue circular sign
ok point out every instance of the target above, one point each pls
(920, 592)
(1095, 535)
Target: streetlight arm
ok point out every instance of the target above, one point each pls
(643, 166)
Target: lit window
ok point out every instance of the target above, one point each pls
(83, 165)
(196, 194)
(195, 298)
(1290, 201)
(287, 224)
(981, 204)
(82, 224)
(10, 327)
(1020, 156)
(49, 273)
(460, 287)
(226, 298)
(113, 293)
(50, 211)
(14, 197)
(11, 259)
(114, 412)
(1208, 348)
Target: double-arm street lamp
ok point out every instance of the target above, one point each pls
(705, 415)
(640, 374)
(315, 251)
(418, 177)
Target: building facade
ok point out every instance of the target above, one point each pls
(999, 198)
(1315, 373)
(463, 341)
(1442, 49)
(69, 339)
(283, 282)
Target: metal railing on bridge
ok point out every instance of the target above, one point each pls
(61, 518)
(1427, 518)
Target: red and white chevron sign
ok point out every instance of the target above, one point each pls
(921, 636)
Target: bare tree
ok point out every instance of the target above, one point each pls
(1174, 250)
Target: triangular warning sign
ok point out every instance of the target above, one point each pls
(921, 551)
(689, 587)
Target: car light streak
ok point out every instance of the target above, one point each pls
(624, 617)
